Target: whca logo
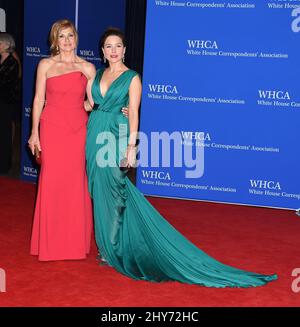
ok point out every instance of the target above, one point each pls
(163, 88)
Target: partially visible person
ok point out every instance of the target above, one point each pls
(16, 56)
(62, 224)
(9, 80)
(16, 117)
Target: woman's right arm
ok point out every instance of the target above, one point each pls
(38, 104)
(90, 72)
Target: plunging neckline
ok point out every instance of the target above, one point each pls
(103, 96)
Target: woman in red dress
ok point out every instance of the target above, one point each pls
(62, 224)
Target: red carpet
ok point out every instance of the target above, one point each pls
(256, 239)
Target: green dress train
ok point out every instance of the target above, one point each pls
(131, 235)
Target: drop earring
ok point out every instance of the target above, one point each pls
(104, 60)
(123, 59)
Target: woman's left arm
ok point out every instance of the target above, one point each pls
(135, 92)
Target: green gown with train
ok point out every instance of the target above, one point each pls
(130, 233)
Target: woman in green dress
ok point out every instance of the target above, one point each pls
(131, 235)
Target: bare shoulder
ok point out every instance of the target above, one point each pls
(89, 66)
(136, 81)
(45, 62)
(44, 65)
(82, 61)
(89, 69)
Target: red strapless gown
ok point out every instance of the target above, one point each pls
(62, 224)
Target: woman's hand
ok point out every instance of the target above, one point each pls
(125, 111)
(33, 141)
(87, 106)
(131, 155)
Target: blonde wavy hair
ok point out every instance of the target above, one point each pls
(54, 33)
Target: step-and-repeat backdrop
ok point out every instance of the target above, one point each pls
(221, 90)
(91, 18)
